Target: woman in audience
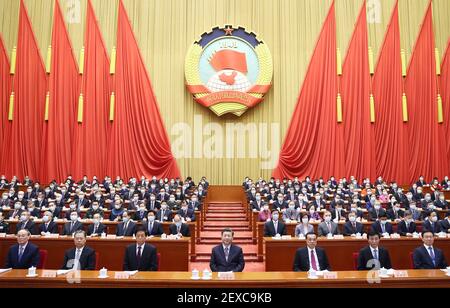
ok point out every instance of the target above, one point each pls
(304, 227)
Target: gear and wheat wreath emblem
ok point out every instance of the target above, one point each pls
(229, 70)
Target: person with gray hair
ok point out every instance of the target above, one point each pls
(81, 257)
(48, 225)
(24, 254)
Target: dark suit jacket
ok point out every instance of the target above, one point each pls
(148, 260)
(52, 228)
(184, 230)
(435, 228)
(269, 228)
(29, 225)
(301, 261)
(87, 259)
(189, 213)
(422, 259)
(235, 263)
(349, 230)
(402, 230)
(445, 225)
(376, 227)
(365, 254)
(131, 229)
(157, 228)
(373, 214)
(30, 257)
(167, 213)
(139, 216)
(77, 226)
(392, 215)
(100, 229)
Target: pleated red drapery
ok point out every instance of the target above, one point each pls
(57, 146)
(5, 89)
(91, 136)
(445, 93)
(390, 131)
(427, 145)
(139, 144)
(359, 136)
(22, 139)
(314, 143)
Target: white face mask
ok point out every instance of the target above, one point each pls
(352, 218)
(327, 218)
(95, 207)
(23, 218)
(151, 218)
(275, 217)
(73, 217)
(172, 199)
(45, 218)
(117, 207)
(412, 207)
(377, 207)
(96, 221)
(434, 218)
(305, 220)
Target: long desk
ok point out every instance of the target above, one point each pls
(174, 253)
(112, 226)
(280, 254)
(350, 279)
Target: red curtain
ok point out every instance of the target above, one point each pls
(359, 137)
(23, 136)
(426, 145)
(5, 89)
(139, 144)
(390, 132)
(314, 143)
(94, 130)
(64, 88)
(445, 93)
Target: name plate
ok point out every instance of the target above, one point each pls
(400, 274)
(330, 275)
(121, 275)
(226, 275)
(111, 236)
(2, 234)
(48, 274)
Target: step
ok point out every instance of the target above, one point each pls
(218, 234)
(224, 208)
(225, 224)
(243, 219)
(215, 211)
(232, 214)
(218, 240)
(220, 228)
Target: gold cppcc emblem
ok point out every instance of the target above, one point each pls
(228, 70)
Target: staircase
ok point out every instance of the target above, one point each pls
(225, 207)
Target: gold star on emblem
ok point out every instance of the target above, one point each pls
(228, 30)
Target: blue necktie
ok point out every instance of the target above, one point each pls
(20, 253)
(433, 258)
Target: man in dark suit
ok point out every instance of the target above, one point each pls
(14, 214)
(48, 225)
(311, 257)
(432, 224)
(151, 226)
(186, 213)
(227, 257)
(26, 224)
(179, 228)
(445, 223)
(351, 227)
(164, 214)
(73, 225)
(140, 256)
(376, 212)
(274, 226)
(81, 257)
(96, 228)
(407, 226)
(395, 213)
(4, 226)
(373, 256)
(141, 213)
(24, 254)
(382, 226)
(441, 202)
(126, 227)
(427, 256)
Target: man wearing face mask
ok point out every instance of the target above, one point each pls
(274, 226)
(407, 226)
(186, 213)
(280, 203)
(382, 226)
(441, 203)
(4, 226)
(126, 227)
(395, 213)
(141, 213)
(376, 212)
(358, 213)
(153, 204)
(257, 204)
(94, 209)
(164, 214)
(15, 214)
(416, 213)
(319, 203)
(179, 228)
(72, 208)
(117, 211)
(328, 226)
(73, 225)
(173, 204)
(152, 227)
(40, 202)
(445, 223)
(194, 203)
(338, 213)
(96, 228)
(34, 212)
(291, 213)
(26, 224)
(432, 224)
(351, 227)
(419, 196)
(409, 199)
(48, 226)
(134, 202)
(21, 198)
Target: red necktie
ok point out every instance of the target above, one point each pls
(313, 261)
